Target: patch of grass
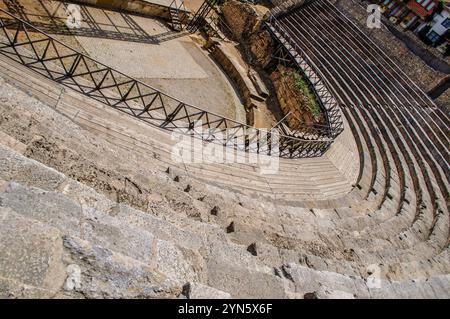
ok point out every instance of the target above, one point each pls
(302, 84)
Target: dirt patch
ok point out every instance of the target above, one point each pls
(296, 98)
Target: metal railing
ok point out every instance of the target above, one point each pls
(179, 5)
(315, 78)
(33, 48)
(198, 19)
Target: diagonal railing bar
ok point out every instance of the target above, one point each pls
(91, 76)
(99, 85)
(26, 44)
(149, 105)
(141, 96)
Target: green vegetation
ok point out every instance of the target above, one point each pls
(302, 85)
(441, 6)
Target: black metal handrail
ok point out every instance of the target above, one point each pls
(33, 48)
(180, 7)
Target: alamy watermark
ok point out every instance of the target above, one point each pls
(257, 147)
(373, 281)
(374, 17)
(74, 19)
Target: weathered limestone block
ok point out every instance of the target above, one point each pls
(13, 289)
(240, 257)
(433, 287)
(87, 197)
(159, 227)
(14, 166)
(268, 254)
(103, 230)
(246, 234)
(242, 19)
(308, 280)
(12, 143)
(30, 256)
(326, 293)
(243, 283)
(48, 207)
(107, 274)
(178, 263)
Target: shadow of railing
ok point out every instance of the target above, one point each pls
(52, 21)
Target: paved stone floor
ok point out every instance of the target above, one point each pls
(168, 61)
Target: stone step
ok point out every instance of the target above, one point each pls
(368, 169)
(114, 233)
(427, 225)
(122, 229)
(199, 250)
(46, 263)
(38, 177)
(70, 191)
(68, 100)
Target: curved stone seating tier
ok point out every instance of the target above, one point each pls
(359, 73)
(379, 236)
(104, 188)
(312, 176)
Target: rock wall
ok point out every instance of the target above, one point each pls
(262, 47)
(246, 25)
(242, 19)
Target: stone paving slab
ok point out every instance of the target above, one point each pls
(139, 60)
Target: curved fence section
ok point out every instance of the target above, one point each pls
(57, 61)
(326, 100)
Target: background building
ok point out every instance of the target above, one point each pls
(429, 19)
